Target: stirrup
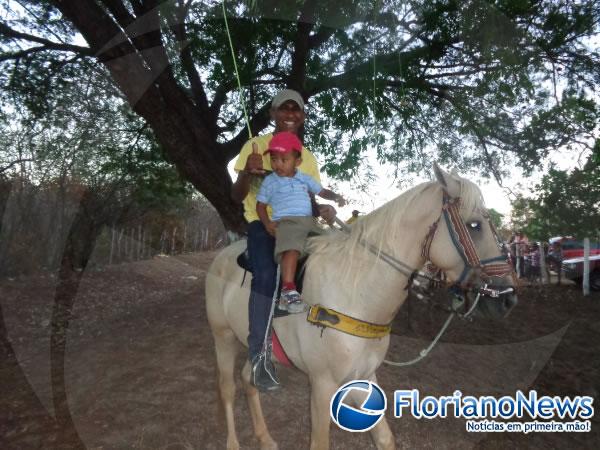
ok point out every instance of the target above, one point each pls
(263, 375)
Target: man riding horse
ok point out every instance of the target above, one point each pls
(287, 112)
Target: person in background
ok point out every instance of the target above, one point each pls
(555, 259)
(533, 272)
(521, 242)
(353, 218)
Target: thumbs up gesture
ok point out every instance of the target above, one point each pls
(254, 163)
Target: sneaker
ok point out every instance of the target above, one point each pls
(262, 374)
(291, 301)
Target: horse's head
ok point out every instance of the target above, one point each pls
(464, 244)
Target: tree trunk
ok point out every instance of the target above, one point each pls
(24, 405)
(141, 69)
(85, 229)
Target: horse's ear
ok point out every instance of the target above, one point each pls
(449, 181)
(439, 174)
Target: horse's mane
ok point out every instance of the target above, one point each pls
(386, 221)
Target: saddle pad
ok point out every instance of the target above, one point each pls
(279, 352)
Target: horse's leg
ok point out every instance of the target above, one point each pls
(258, 420)
(381, 433)
(226, 347)
(321, 391)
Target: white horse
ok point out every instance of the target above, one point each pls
(346, 274)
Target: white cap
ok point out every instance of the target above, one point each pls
(287, 94)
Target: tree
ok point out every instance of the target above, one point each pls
(566, 203)
(496, 218)
(482, 83)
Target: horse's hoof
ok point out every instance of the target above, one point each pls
(233, 445)
(268, 444)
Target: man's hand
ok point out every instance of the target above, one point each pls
(254, 163)
(328, 213)
(341, 201)
(271, 227)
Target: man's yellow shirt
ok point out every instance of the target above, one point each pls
(308, 166)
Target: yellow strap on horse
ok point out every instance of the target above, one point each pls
(319, 315)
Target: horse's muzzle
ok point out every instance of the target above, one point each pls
(497, 300)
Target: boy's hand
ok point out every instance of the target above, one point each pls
(271, 227)
(341, 201)
(254, 163)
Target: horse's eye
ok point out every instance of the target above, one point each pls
(475, 225)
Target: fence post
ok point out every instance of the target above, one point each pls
(163, 240)
(132, 245)
(143, 246)
(139, 243)
(112, 246)
(542, 253)
(586, 266)
(173, 241)
(119, 244)
(518, 267)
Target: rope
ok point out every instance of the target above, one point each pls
(374, 51)
(237, 75)
(266, 342)
(423, 353)
(402, 268)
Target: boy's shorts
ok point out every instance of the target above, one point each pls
(292, 233)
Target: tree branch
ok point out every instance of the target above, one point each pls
(22, 53)
(387, 63)
(227, 86)
(119, 12)
(473, 125)
(258, 122)
(13, 163)
(50, 45)
(178, 29)
(320, 37)
(305, 24)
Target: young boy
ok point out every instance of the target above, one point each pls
(287, 191)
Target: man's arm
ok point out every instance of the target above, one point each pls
(261, 211)
(241, 187)
(330, 195)
(254, 167)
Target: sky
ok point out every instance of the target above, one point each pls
(385, 188)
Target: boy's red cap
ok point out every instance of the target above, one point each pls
(284, 142)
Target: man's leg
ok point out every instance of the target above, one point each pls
(261, 246)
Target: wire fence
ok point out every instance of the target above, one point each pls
(38, 224)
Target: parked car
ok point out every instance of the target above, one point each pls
(561, 248)
(572, 269)
(571, 248)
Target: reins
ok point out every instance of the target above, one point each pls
(466, 248)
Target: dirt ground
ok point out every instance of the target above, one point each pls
(140, 366)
